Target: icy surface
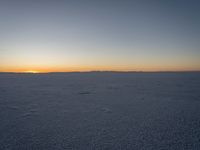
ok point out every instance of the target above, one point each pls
(100, 111)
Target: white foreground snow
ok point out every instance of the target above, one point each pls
(100, 111)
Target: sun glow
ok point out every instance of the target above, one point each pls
(31, 71)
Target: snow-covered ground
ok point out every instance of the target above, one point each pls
(100, 111)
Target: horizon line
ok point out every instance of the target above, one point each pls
(101, 71)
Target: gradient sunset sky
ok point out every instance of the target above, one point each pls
(85, 35)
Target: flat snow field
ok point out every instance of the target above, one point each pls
(100, 111)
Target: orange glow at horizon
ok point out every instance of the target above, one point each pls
(95, 68)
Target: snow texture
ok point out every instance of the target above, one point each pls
(100, 111)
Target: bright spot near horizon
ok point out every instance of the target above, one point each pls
(31, 71)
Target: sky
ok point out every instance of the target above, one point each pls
(94, 35)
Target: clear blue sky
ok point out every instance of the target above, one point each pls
(71, 35)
